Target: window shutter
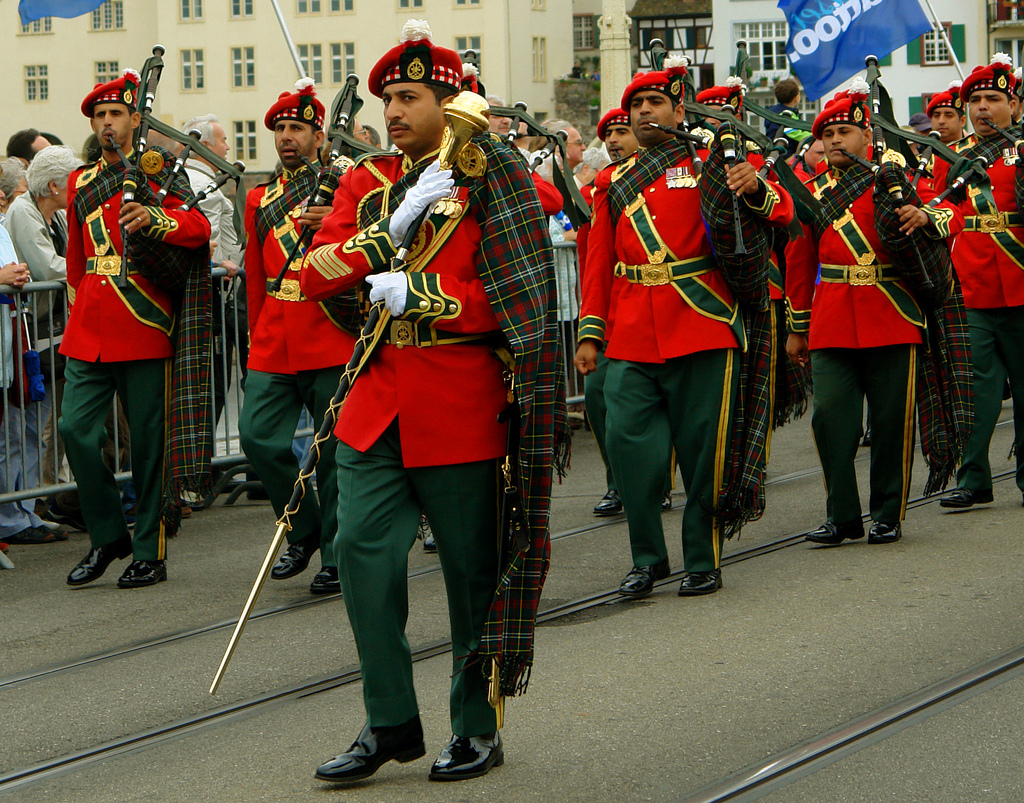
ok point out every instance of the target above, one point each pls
(914, 51)
(957, 37)
(916, 105)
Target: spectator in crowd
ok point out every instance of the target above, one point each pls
(37, 222)
(367, 134)
(573, 141)
(594, 161)
(12, 183)
(498, 125)
(787, 93)
(25, 144)
(18, 524)
(53, 139)
(229, 307)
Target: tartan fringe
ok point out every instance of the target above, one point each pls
(738, 508)
(562, 458)
(514, 675)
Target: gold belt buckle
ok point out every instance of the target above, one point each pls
(108, 265)
(654, 275)
(991, 223)
(403, 334)
(290, 290)
(863, 275)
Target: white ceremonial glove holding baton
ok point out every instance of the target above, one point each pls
(391, 288)
(433, 185)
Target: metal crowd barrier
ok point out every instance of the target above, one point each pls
(32, 463)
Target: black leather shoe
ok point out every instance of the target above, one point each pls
(326, 581)
(697, 583)
(882, 533)
(831, 534)
(468, 757)
(92, 566)
(640, 580)
(374, 748)
(295, 558)
(143, 573)
(429, 544)
(609, 505)
(666, 501)
(962, 498)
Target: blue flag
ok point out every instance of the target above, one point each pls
(829, 40)
(31, 10)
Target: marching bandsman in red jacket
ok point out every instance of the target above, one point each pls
(657, 302)
(989, 260)
(948, 115)
(298, 347)
(423, 426)
(856, 315)
(617, 135)
(119, 337)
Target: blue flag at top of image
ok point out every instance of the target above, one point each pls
(31, 10)
(828, 39)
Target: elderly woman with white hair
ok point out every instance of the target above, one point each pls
(38, 227)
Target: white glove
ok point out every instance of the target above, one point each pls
(433, 185)
(391, 288)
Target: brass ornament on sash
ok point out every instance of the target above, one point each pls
(151, 162)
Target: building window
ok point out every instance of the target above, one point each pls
(540, 58)
(191, 9)
(766, 44)
(44, 25)
(467, 2)
(308, 6)
(1014, 48)
(407, 4)
(583, 31)
(464, 43)
(109, 16)
(241, 8)
(192, 79)
(933, 48)
(538, 5)
(312, 58)
(107, 71)
(342, 5)
(343, 61)
(245, 139)
(37, 82)
(243, 67)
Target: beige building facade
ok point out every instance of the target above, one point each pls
(230, 57)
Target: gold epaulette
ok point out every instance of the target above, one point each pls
(622, 166)
(275, 188)
(88, 174)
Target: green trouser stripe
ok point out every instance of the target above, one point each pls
(266, 428)
(88, 396)
(597, 410)
(379, 510)
(843, 379)
(997, 352)
(684, 403)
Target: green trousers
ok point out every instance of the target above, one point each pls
(685, 403)
(997, 352)
(88, 399)
(266, 429)
(593, 395)
(843, 379)
(379, 504)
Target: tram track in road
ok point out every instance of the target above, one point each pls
(756, 781)
(298, 605)
(778, 771)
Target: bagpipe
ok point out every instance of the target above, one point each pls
(143, 160)
(575, 208)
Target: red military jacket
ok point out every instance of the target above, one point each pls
(288, 333)
(446, 397)
(989, 253)
(107, 323)
(865, 313)
(657, 321)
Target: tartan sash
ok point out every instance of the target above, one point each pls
(836, 198)
(650, 163)
(104, 185)
(281, 197)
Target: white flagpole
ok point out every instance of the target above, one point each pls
(939, 27)
(288, 40)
